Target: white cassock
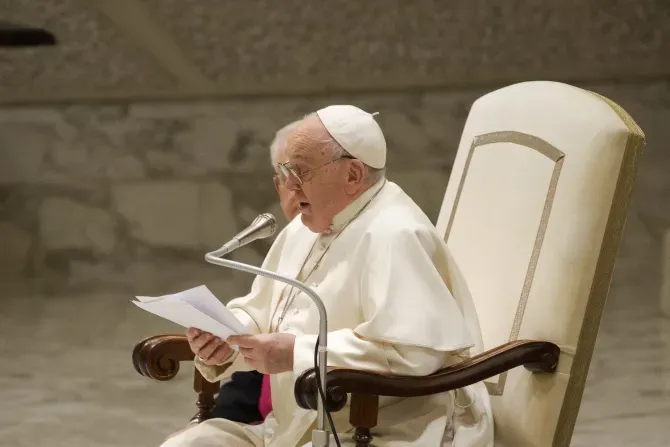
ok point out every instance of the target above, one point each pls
(378, 271)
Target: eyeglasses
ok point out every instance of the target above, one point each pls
(285, 170)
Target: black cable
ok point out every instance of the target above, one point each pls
(322, 392)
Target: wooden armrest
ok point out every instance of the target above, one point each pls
(536, 356)
(158, 357)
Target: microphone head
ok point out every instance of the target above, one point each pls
(264, 225)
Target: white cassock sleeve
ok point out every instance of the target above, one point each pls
(251, 310)
(411, 321)
(347, 350)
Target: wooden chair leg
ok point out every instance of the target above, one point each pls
(206, 392)
(363, 416)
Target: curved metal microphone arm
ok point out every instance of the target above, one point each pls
(320, 437)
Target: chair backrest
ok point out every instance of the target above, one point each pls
(532, 217)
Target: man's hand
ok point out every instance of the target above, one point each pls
(266, 353)
(211, 349)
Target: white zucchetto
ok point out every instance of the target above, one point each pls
(357, 132)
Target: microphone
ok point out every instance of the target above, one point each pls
(262, 227)
(265, 226)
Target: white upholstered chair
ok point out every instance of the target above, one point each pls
(532, 216)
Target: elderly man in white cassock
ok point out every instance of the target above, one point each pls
(376, 261)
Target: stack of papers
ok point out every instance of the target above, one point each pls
(196, 307)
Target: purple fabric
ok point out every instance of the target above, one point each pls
(265, 401)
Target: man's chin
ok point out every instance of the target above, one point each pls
(308, 221)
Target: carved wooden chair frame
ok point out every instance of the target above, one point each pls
(158, 358)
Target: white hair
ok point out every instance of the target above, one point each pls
(279, 140)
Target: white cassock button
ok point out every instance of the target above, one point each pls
(295, 311)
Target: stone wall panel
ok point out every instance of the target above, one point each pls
(68, 224)
(163, 213)
(124, 195)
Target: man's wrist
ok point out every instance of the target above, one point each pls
(291, 353)
(303, 353)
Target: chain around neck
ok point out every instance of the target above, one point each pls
(291, 296)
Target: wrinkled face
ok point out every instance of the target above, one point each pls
(323, 184)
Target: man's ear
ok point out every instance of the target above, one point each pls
(357, 172)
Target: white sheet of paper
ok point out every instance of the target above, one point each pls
(185, 315)
(196, 307)
(204, 300)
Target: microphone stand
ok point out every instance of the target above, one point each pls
(320, 437)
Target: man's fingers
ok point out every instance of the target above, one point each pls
(193, 332)
(243, 341)
(220, 354)
(201, 340)
(206, 351)
(198, 340)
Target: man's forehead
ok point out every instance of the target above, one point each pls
(287, 149)
(303, 154)
(303, 143)
(299, 149)
(300, 154)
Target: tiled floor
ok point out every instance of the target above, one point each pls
(66, 379)
(626, 401)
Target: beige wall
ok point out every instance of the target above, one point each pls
(134, 49)
(127, 194)
(129, 197)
